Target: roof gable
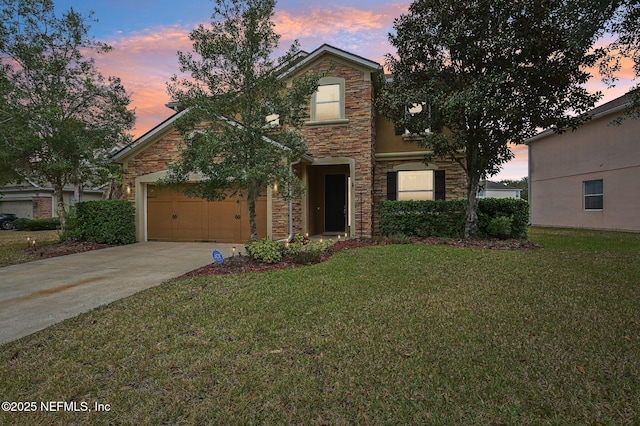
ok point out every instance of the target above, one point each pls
(615, 106)
(342, 55)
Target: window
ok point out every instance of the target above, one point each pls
(327, 105)
(415, 185)
(593, 195)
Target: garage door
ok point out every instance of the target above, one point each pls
(172, 216)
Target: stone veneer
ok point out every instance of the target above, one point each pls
(455, 180)
(354, 140)
(155, 158)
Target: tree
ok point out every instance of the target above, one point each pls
(625, 29)
(252, 119)
(61, 116)
(478, 74)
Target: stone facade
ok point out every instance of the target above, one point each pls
(155, 158)
(345, 146)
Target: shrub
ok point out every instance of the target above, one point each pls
(517, 210)
(300, 250)
(105, 222)
(49, 224)
(447, 218)
(422, 218)
(265, 250)
(311, 252)
(500, 227)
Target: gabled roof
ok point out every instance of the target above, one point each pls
(342, 54)
(147, 138)
(615, 106)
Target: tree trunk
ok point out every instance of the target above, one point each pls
(60, 210)
(77, 192)
(471, 223)
(252, 195)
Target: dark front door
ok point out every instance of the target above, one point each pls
(335, 203)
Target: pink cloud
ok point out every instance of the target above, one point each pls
(144, 62)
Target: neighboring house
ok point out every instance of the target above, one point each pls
(588, 178)
(33, 201)
(355, 159)
(488, 189)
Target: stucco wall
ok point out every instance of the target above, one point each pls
(559, 164)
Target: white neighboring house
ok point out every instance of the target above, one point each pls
(488, 189)
(588, 178)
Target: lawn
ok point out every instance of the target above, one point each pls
(397, 334)
(11, 243)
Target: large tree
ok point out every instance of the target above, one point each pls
(624, 28)
(60, 115)
(472, 75)
(252, 119)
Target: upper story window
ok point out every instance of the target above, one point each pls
(593, 195)
(328, 101)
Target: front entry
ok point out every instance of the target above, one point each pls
(335, 196)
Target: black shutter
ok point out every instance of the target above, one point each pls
(439, 185)
(392, 186)
(399, 130)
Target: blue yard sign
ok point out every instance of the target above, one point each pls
(217, 256)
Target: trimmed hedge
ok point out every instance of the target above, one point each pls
(49, 224)
(104, 222)
(441, 218)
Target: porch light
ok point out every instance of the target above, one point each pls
(128, 189)
(233, 249)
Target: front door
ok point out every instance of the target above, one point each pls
(335, 203)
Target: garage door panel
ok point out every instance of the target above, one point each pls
(223, 222)
(159, 219)
(190, 219)
(173, 216)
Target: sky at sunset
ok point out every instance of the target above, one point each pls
(146, 34)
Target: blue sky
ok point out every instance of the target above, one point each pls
(146, 34)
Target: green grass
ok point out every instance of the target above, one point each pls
(394, 334)
(11, 243)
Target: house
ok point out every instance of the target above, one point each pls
(355, 159)
(488, 189)
(588, 178)
(34, 201)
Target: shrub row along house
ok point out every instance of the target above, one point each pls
(355, 159)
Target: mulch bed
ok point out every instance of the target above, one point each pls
(244, 264)
(46, 251)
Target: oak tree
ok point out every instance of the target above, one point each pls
(472, 75)
(60, 116)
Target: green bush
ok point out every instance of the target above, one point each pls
(311, 252)
(500, 227)
(300, 250)
(517, 210)
(105, 222)
(265, 250)
(447, 218)
(422, 218)
(49, 224)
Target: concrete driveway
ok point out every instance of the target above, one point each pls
(38, 294)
